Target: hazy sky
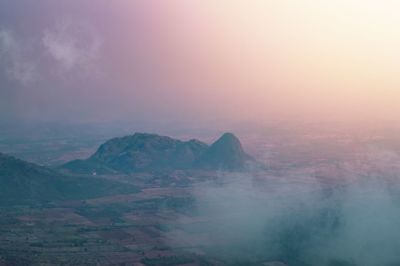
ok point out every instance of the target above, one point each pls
(199, 59)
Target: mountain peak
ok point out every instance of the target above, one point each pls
(228, 138)
(226, 153)
(228, 135)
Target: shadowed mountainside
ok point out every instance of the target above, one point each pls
(23, 182)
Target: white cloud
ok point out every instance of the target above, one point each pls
(7, 42)
(74, 46)
(24, 72)
(14, 63)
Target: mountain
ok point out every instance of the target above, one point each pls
(26, 183)
(226, 154)
(150, 152)
(141, 152)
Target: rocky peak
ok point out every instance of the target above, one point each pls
(226, 153)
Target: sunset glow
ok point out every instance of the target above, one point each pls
(232, 59)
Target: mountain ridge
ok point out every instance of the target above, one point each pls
(150, 152)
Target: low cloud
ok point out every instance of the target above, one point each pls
(299, 220)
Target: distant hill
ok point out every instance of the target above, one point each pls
(151, 152)
(26, 183)
(141, 152)
(226, 154)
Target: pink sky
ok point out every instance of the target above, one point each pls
(237, 60)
